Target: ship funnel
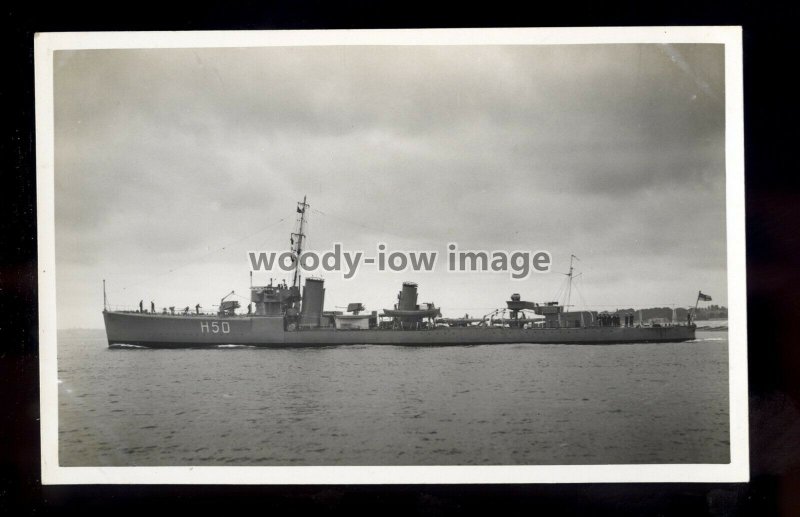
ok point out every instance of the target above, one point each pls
(313, 302)
(408, 297)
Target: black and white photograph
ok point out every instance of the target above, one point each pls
(387, 256)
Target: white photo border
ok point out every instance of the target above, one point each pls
(45, 44)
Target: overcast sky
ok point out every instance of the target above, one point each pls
(615, 153)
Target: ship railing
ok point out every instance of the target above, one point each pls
(122, 308)
(160, 311)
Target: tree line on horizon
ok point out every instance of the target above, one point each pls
(712, 312)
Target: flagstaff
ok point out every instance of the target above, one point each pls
(700, 296)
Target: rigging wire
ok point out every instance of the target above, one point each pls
(559, 292)
(580, 296)
(205, 256)
(562, 289)
(370, 228)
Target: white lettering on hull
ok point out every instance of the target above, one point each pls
(215, 327)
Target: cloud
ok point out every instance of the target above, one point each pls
(615, 152)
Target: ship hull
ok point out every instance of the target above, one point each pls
(167, 331)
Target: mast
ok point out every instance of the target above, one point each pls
(569, 282)
(297, 240)
(105, 300)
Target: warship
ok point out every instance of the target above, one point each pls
(285, 317)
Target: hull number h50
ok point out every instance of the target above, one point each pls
(215, 327)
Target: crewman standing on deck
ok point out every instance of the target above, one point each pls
(152, 307)
(197, 308)
(141, 309)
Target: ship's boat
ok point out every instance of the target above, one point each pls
(352, 321)
(283, 317)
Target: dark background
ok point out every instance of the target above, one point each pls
(772, 208)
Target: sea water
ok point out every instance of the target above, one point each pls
(516, 404)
